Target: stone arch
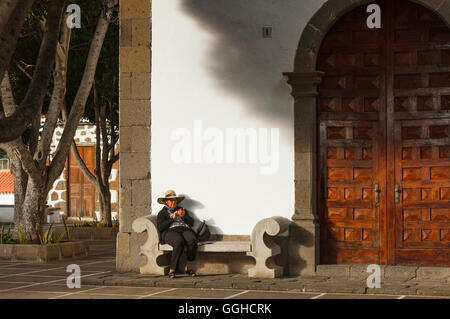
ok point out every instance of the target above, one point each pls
(329, 13)
(305, 237)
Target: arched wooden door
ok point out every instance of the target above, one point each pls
(384, 130)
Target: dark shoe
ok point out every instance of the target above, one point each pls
(172, 274)
(191, 273)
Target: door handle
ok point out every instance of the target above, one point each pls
(377, 191)
(397, 192)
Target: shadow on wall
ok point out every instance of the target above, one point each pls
(301, 238)
(242, 61)
(192, 205)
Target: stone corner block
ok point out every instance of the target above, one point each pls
(141, 32)
(135, 59)
(127, 254)
(135, 9)
(135, 113)
(125, 86)
(138, 165)
(141, 85)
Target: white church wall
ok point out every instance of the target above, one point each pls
(213, 73)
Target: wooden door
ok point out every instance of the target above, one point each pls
(418, 133)
(352, 125)
(81, 191)
(382, 103)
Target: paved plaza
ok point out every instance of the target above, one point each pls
(99, 280)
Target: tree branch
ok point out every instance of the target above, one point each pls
(82, 95)
(13, 126)
(98, 153)
(57, 98)
(82, 164)
(111, 162)
(16, 148)
(34, 133)
(114, 140)
(9, 105)
(28, 75)
(6, 9)
(10, 35)
(104, 159)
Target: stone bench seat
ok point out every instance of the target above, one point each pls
(260, 249)
(218, 247)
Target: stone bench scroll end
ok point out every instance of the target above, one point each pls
(263, 251)
(150, 247)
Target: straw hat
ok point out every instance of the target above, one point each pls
(170, 194)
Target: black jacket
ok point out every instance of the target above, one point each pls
(164, 221)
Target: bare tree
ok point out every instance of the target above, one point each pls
(32, 159)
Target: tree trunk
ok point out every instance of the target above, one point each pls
(20, 188)
(33, 210)
(105, 207)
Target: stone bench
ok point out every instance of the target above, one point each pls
(257, 248)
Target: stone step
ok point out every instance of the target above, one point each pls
(394, 272)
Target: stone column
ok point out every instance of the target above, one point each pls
(304, 232)
(134, 166)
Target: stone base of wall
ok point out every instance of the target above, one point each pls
(95, 233)
(44, 253)
(91, 233)
(127, 251)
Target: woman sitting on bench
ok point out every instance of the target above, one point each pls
(174, 226)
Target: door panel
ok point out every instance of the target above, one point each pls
(419, 123)
(351, 107)
(82, 192)
(384, 117)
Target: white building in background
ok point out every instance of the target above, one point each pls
(72, 193)
(6, 196)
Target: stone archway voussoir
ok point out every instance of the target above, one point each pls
(329, 13)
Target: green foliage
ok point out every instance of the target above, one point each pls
(115, 222)
(46, 238)
(37, 13)
(68, 230)
(21, 234)
(6, 238)
(82, 223)
(50, 237)
(94, 223)
(3, 154)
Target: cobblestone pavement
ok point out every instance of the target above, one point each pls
(99, 280)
